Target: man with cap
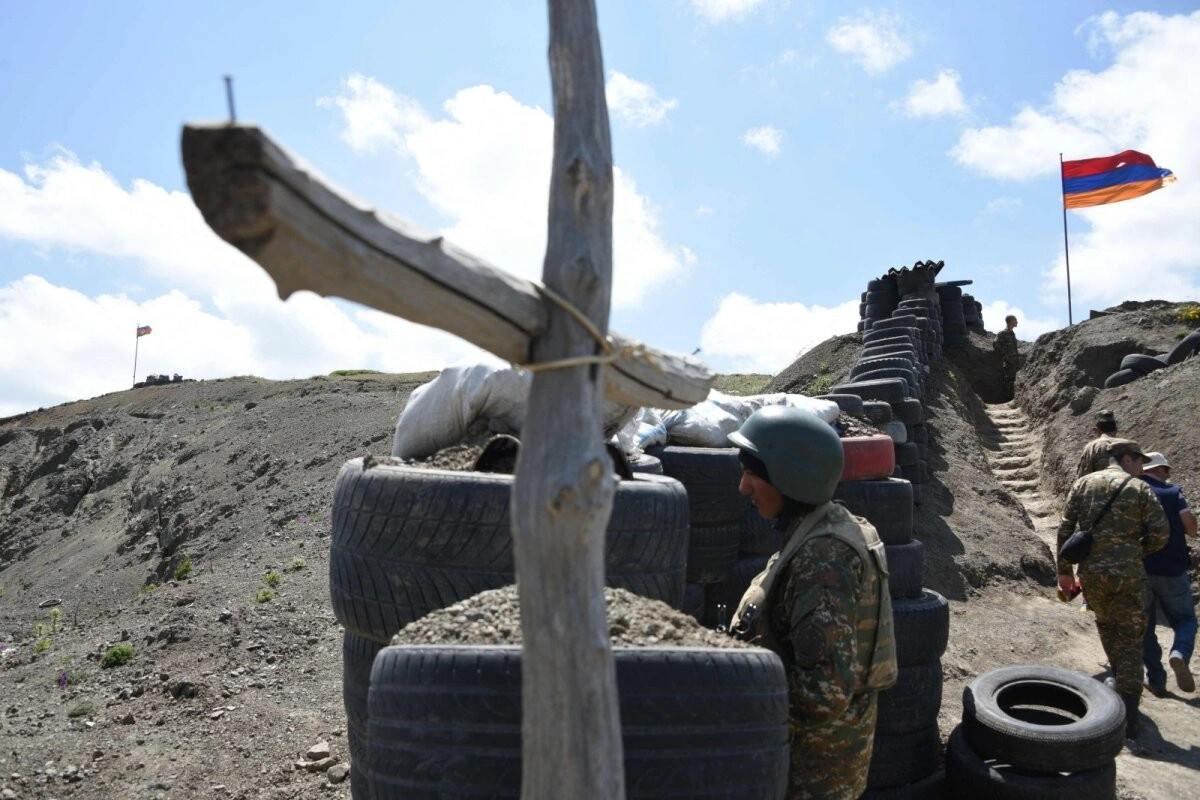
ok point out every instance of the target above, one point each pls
(822, 604)
(1095, 453)
(1005, 346)
(1169, 585)
(1133, 527)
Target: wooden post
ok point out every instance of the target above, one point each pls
(563, 491)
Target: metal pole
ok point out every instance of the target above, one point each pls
(136, 340)
(1066, 248)
(229, 98)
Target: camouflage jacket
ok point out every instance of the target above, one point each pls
(1006, 345)
(1094, 456)
(1134, 527)
(824, 619)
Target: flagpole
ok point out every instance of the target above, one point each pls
(1066, 247)
(136, 340)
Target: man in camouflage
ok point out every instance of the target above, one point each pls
(1112, 574)
(822, 604)
(1095, 453)
(1005, 346)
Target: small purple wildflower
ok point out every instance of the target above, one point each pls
(63, 681)
(303, 519)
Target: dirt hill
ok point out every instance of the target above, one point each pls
(103, 499)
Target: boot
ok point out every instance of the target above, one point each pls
(1131, 714)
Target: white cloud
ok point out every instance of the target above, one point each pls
(485, 165)
(939, 97)
(635, 103)
(221, 317)
(746, 335)
(765, 139)
(874, 40)
(1004, 206)
(1028, 328)
(704, 210)
(723, 10)
(1139, 249)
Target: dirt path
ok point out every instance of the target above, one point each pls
(1036, 628)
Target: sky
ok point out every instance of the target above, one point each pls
(771, 157)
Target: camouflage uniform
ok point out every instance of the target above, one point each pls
(1094, 456)
(1005, 346)
(1113, 575)
(828, 617)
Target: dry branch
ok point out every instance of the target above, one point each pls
(308, 235)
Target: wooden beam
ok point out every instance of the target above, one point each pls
(309, 235)
(563, 490)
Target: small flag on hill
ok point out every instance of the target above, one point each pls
(1111, 179)
(143, 330)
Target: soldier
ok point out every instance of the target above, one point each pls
(822, 603)
(1168, 584)
(1005, 346)
(1095, 453)
(1113, 576)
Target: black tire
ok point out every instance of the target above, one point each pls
(907, 454)
(892, 351)
(848, 403)
(1142, 364)
(884, 338)
(922, 626)
(729, 592)
(884, 362)
(876, 310)
(931, 787)
(907, 375)
(891, 390)
(686, 715)
(877, 411)
(912, 473)
(1120, 378)
(968, 775)
(693, 601)
(886, 296)
(904, 758)
(897, 321)
(909, 410)
(906, 568)
(1004, 719)
(710, 475)
(918, 433)
(883, 285)
(357, 656)
(647, 465)
(759, 536)
(407, 541)
(886, 504)
(913, 702)
(1187, 347)
(712, 551)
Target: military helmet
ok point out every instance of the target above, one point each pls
(802, 453)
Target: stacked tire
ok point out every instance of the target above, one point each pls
(407, 541)
(727, 546)
(1036, 732)
(973, 313)
(878, 302)
(954, 320)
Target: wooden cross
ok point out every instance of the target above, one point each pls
(307, 235)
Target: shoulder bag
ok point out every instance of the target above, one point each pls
(1075, 549)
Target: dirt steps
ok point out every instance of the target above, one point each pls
(1014, 454)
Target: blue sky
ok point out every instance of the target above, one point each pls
(772, 157)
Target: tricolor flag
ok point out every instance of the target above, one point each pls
(143, 330)
(1111, 179)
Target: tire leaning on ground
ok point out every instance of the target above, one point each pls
(687, 715)
(969, 775)
(922, 626)
(357, 656)
(1005, 719)
(1120, 378)
(408, 540)
(1187, 347)
(1141, 363)
(913, 703)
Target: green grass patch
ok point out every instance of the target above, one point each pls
(296, 564)
(264, 596)
(81, 709)
(273, 579)
(742, 384)
(116, 656)
(183, 569)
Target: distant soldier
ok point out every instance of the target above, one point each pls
(1169, 585)
(1113, 576)
(1095, 453)
(1005, 346)
(822, 604)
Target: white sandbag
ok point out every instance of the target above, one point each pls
(705, 424)
(895, 429)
